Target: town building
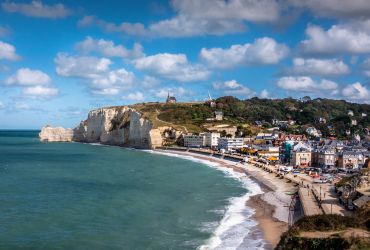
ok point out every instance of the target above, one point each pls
(324, 157)
(313, 132)
(322, 120)
(267, 151)
(350, 159)
(353, 122)
(170, 99)
(230, 144)
(301, 155)
(350, 113)
(211, 139)
(194, 141)
(219, 115)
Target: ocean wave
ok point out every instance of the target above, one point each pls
(235, 228)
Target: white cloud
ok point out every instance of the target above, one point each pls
(263, 51)
(172, 66)
(40, 91)
(7, 51)
(95, 72)
(352, 37)
(198, 18)
(264, 94)
(336, 8)
(84, 66)
(233, 88)
(136, 96)
(306, 84)
(250, 10)
(184, 26)
(107, 48)
(26, 76)
(36, 9)
(356, 92)
(120, 78)
(321, 67)
(2, 105)
(137, 29)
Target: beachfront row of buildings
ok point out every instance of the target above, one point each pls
(295, 150)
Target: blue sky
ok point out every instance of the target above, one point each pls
(60, 59)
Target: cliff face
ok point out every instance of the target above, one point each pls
(121, 126)
(51, 134)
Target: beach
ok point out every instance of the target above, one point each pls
(270, 205)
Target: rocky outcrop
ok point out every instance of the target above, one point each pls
(51, 134)
(122, 126)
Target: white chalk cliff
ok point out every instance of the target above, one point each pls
(51, 134)
(123, 126)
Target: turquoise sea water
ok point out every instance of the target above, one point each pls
(81, 196)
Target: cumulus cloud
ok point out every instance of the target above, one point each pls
(83, 66)
(7, 52)
(320, 67)
(352, 37)
(234, 88)
(172, 66)
(107, 48)
(263, 51)
(135, 96)
(95, 72)
(251, 10)
(26, 76)
(36, 9)
(115, 79)
(198, 18)
(336, 8)
(183, 26)
(34, 83)
(137, 29)
(40, 91)
(306, 84)
(356, 92)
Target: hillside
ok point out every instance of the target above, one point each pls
(245, 113)
(329, 232)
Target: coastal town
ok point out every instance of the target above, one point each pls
(332, 175)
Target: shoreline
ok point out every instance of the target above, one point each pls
(270, 207)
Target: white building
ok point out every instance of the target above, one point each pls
(230, 144)
(211, 139)
(313, 131)
(194, 141)
(350, 113)
(219, 115)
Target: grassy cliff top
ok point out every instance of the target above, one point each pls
(244, 113)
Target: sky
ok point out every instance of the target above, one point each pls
(60, 59)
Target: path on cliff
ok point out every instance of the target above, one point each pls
(169, 123)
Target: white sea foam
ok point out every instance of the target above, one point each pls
(234, 231)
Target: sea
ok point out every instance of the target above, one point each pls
(91, 196)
